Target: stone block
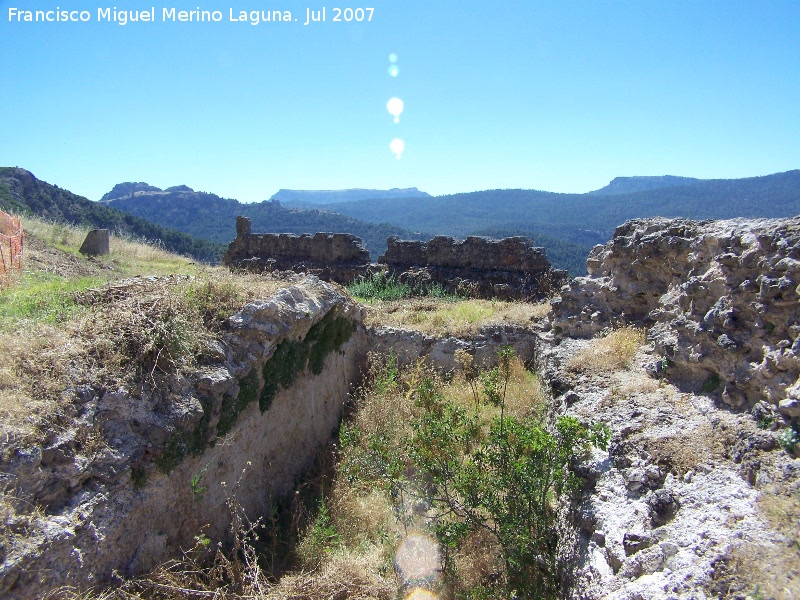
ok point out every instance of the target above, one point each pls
(96, 243)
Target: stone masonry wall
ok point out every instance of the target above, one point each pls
(339, 257)
(247, 424)
(511, 268)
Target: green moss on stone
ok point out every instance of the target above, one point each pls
(279, 372)
(232, 405)
(291, 358)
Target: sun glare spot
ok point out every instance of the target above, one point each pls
(393, 58)
(397, 147)
(394, 70)
(417, 562)
(420, 594)
(395, 108)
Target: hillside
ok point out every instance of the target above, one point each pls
(211, 217)
(316, 197)
(626, 185)
(586, 219)
(21, 192)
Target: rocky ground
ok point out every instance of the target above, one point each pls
(699, 493)
(692, 500)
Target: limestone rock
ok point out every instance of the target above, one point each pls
(720, 299)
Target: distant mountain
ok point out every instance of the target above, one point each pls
(22, 193)
(316, 197)
(584, 219)
(211, 217)
(129, 188)
(627, 185)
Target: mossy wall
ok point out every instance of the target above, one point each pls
(280, 371)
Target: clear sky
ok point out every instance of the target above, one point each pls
(552, 95)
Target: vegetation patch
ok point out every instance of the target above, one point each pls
(380, 286)
(291, 357)
(73, 321)
(232, 406)
(711, 383)
(440, 317)
(455, 460)
(611, 352)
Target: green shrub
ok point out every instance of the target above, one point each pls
(711, 383)
(788, 439)
(503, 475)
(379, 286)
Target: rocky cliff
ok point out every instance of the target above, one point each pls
(696, 497)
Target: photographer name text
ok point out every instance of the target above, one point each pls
(309, 16)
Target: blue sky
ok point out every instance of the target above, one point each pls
(560, 96)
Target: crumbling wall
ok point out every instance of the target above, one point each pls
(339, 257)
(508, 269)
(511, 268)
(720, 299)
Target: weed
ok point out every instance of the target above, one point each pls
(788, 439)
(765, 422)
(388, 376)
(383, 287)
(711, 383)
(197, 478)
(379, 286)
(320, 538)
(139, 477)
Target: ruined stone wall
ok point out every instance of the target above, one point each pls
(511, 268)
(720, 299)
(339, 257)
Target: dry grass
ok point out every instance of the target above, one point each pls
(479, 562)
(72, 320)
(127, 257)
(613, 352)
(462, 318)
(524, 392)
(759, 571)
(686, 450)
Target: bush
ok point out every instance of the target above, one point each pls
(480, 472)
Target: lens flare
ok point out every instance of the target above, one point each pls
(393, 58)
(393, 70)
(420, 594)
(395, 108)
(397, 147)
(417, 561)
